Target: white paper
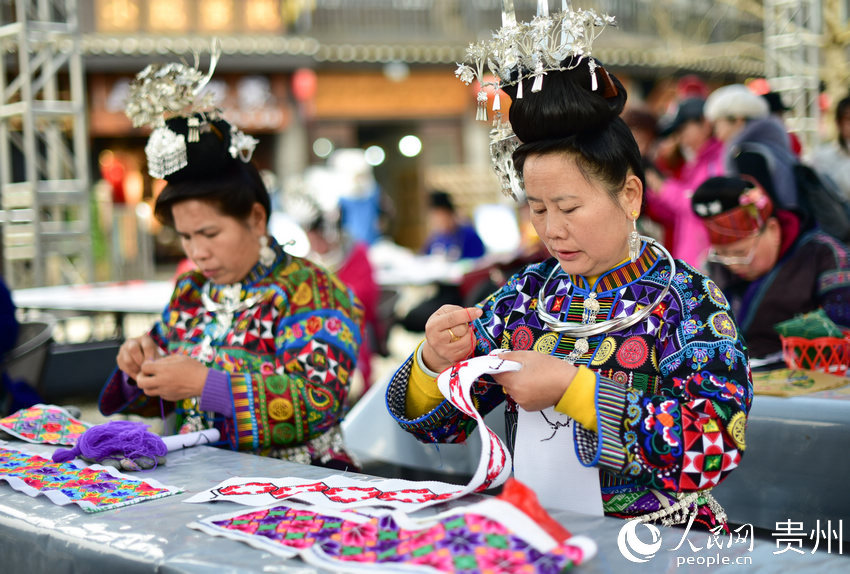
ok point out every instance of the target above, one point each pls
(545, 460)
(178, 441)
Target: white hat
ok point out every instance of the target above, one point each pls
(735, 101)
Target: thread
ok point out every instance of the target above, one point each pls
(130, 439)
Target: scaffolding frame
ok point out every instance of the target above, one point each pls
(792, 39)
(44, 163)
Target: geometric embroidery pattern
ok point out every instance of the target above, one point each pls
(463, 542)
(94, 489)
(47, 424)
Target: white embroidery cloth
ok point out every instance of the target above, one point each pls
(338, 491)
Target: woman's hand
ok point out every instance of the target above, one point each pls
(134, 352)
(448, 336)
(173, 378)
(540, 383)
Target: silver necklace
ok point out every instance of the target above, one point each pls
(224, 310)
(588, 326)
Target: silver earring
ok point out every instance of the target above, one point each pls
(267, 254)
(634, 240)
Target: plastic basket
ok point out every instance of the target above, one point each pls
(826, 354)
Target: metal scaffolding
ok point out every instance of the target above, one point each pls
(44, 174)
(792, 38)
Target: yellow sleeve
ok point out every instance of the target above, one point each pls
(423, 396)
(579, 400)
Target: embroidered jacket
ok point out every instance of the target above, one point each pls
(288, 357)
(672, 392)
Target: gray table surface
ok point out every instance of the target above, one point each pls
(795, 466)
(39, 536)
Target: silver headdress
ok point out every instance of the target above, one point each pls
(164, 91)
(519, 51)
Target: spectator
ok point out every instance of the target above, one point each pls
(8, 336)
(670, 204)
(450, 236)
(768, 267)
(778, 110)
(756, 144)
(453, 239)
(833, 159)
(348, 259)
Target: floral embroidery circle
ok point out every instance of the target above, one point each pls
(522, 339)
(737, 429)
(633, 353)
(716, 295)
(605, 351)
(546, 344)
(723, 326)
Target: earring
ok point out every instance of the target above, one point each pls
(634, 239)
(267, 254)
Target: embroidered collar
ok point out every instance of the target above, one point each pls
(619, 276)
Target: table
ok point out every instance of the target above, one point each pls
(117, 298)
(38, 536)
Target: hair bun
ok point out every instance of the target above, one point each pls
(209, 157)
(567, 104)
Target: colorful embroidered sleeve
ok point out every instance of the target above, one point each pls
(685, 432)
(445, 423)
(299, 392)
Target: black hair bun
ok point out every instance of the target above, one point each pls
(567, 104)
(209, 157)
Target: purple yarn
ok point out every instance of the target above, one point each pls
(124, 439)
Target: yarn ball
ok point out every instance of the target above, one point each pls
(128, 442)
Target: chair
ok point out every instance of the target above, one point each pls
(27, 358)
(78, 370)
(386, 317)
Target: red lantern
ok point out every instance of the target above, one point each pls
(304, 84)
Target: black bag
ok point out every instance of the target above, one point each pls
(822, 199)
(817, 199)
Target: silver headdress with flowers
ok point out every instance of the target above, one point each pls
(167, 90)
(527, 50)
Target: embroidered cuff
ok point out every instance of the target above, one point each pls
(396, 403)
(578, 400)
(216, 394)
(605, 447)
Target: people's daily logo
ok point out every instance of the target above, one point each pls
(632, 547)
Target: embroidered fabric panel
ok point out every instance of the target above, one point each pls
(461, 540)
(94, 489)
(44, 424)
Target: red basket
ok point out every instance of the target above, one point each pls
(826, 354)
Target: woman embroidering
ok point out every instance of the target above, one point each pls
(256, 342)
(631, 361)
